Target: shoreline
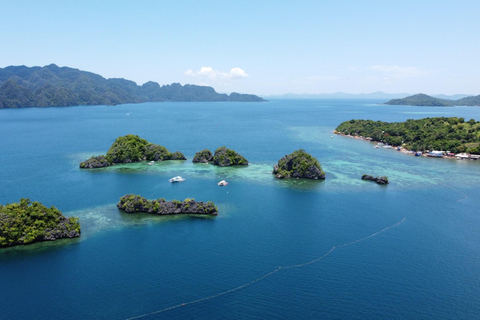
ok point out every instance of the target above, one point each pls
(428, 154)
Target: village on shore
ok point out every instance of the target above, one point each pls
(428, 153)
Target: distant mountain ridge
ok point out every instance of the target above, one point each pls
(53, 86)
(426, 100)
(343, 95)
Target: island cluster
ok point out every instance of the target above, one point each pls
(28, 222)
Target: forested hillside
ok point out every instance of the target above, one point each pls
(52, 86)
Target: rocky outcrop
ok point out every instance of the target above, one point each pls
(204, 156)
(157, 152)
(300, 165)
(227, 157)
(379, 180)
(132, 203)
(95, 162)
(177, 155)
(131, 148)
(62, 230)
(28, 222)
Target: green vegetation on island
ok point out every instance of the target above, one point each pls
(204, 156)
(28, 222)
(52, 86)
(131, 148)
(132, 203)
(379, 180)
(299, 164)
(426, 100)
(227, 157)
(441, 133)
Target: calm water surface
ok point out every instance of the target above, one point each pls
(124, 266)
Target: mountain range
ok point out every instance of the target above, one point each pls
(53, 86)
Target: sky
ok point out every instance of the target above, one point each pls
(258, 47)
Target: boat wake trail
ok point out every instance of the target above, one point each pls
(463, 194)
(269, 274)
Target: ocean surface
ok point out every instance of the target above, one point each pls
(342, 248)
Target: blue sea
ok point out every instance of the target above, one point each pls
(342, 248)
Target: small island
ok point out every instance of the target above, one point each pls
(299, 164)
(204, 156)
(424, 100)
(227, 157)
(27, 222)
(132, 203)
(379, 180)
(131, 148)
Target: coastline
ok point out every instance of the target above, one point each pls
(428, 153)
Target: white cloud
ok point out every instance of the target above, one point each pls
(398, 72)
(209, 74)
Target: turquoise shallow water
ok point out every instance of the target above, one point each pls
(125, 266)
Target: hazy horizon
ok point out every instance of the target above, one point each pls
(265, 48)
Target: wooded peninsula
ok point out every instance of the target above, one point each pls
(441, 133)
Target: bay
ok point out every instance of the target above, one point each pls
(126, 266)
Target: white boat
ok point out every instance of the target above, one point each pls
(176, 179)
(151, 162)
(222, 183)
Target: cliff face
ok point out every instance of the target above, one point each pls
(131, 203)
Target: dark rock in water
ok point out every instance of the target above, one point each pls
(95, 162)
(132, 203)
(298, 164)
(379, 180)
(204, 156)
(227, 157)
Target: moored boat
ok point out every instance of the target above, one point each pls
(222, 183)
(176, 179)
